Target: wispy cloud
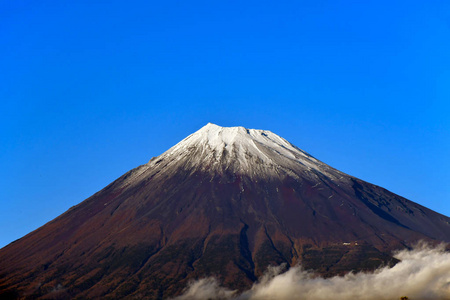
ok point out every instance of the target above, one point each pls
(423, 273)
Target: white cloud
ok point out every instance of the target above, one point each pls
(423, 273)
(206, 288)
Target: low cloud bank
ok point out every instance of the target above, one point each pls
(423, 273)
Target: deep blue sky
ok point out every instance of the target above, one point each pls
(92, 89)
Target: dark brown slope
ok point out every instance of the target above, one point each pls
(185, 215)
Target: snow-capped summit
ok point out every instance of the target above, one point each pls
(250, 151)
(218, 137)
(239, 138)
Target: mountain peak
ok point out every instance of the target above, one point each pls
(253, 152)
(218, 137)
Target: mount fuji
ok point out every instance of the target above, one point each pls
(226, 202)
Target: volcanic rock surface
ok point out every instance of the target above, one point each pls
(224, 202)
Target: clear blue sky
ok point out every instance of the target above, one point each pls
(92, 89)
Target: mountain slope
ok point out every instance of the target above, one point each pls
(226, 202)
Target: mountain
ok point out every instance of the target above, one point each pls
(226, 202)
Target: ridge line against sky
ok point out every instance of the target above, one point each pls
(90, 90)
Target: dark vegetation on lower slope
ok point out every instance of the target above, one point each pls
(138, 272)
(150, 238)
